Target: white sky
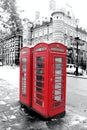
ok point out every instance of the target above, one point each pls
(79, 8)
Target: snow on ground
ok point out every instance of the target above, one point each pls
(10, 74)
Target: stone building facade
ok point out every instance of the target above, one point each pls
(62, 27)
(10, 49)
(59, 27)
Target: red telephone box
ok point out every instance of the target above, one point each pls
(49, 79)
(25, 75)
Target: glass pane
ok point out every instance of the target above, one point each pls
(39, 71)
(58, 59)
(24, 60)
(39, 78)
(39, 102)
(24, 90)
(39, 65)
(24, 85)
(58, 76)
(39, 84)
(39, 89)
(39, 59)
(58, 65)
(39, 96)
(58, 72)
(24, 68)
(57, 92)
(57, 85)
(58, 79)
(58, 98)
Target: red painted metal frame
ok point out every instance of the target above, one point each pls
(59, 54)
(44, 106)
(26, 52)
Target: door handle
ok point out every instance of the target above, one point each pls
(51, 79)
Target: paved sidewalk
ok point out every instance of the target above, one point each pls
(13, 117)
(84, 76)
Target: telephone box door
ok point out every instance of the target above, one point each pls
(40, 95)
(57, 84)
(25, 81)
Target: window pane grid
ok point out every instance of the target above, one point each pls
(57, 92)
(39, 80)
(24, 66)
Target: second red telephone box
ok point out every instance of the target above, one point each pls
(25, 75)
(49, 79)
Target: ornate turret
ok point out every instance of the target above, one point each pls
(58, 26)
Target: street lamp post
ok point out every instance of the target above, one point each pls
(47, 31)
(76, 38)
(86, 62)
(65, 37)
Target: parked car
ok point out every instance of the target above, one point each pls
(71, 69)
(0, 63)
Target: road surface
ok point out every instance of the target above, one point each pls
(14, 117)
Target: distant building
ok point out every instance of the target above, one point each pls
(27, 25)
(60, 27)
(4, 28)
(52, 5)
(11, 46)
(37, 15)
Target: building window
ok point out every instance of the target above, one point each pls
(50, 30)
(32, 35)
(71, 33)
(57, 17)
(54, 17)
(0, 51)
(40, 32)
(45, 31)
(66, 31)
(86, 39)
(36, 34)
